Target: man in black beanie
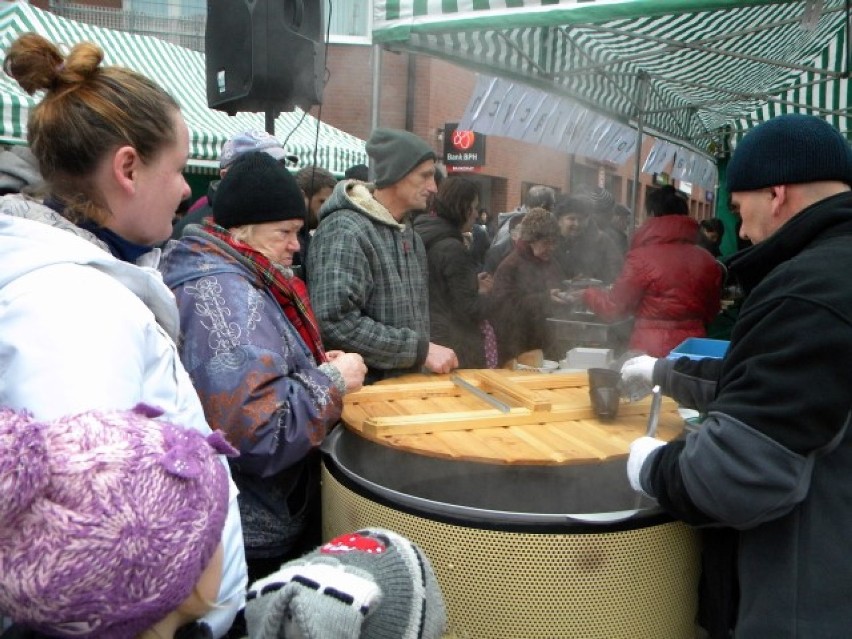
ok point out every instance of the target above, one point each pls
(367, 267)
(769, 473)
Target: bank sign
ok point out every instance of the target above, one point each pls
(464, 151)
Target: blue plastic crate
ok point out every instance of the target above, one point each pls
(699, 348)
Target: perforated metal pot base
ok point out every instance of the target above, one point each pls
(627, 583)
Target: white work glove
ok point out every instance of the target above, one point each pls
(637, 375)
(639, 451)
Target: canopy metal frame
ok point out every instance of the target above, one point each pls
(762, 57)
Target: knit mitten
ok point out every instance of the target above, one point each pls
(372, 584)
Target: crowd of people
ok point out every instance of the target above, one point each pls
(167, 385)
(372, 249)
(573, 253)
(161, 410)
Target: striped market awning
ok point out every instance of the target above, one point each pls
(182, 73)
(694, 72)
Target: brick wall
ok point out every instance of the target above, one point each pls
(440, 92)
(348, 94)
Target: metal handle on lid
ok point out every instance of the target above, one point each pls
(654, 415)
(481, 394)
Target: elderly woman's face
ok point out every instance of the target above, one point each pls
(278, 241)
(543, 249)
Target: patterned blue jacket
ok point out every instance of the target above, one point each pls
(256, 378)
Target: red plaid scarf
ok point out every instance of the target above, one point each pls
(290, 293)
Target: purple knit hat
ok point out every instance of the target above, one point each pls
(107, 519)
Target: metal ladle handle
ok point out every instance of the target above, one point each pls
(654, 415)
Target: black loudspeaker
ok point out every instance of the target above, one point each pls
(264, 55)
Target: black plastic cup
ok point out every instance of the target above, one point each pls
(604, 392)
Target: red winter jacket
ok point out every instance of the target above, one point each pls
(669, 284)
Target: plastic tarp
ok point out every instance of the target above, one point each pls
(693, 72)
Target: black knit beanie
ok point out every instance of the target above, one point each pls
(257, 189)
(395, 154)
(790, 149)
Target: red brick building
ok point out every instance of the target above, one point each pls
(423, 94)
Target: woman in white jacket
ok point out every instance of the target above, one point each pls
(82, 325)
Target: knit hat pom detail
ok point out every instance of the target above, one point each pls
(23, 463)
(184, 459)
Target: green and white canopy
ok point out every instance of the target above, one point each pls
(182, 73)
(688, 71)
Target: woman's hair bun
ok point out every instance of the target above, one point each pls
(37, 64)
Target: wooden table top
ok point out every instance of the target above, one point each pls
(550, 419)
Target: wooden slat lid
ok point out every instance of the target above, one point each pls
(549, 418)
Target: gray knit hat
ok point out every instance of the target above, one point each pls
(372, 584)
(790, 149)
(395, 154)
(602, 200)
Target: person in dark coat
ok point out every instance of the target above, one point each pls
(710, 237)
(480, 239)
(458, 295)
(604, 211)
(583, 250)
(771, 465)
(316, 184)
(525, 286)
(620, 225)
(669, 284)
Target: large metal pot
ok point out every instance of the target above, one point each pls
(503, 495)
(523, 552)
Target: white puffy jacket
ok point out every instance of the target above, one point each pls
(82, 330)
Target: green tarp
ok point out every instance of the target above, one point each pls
(689, 71)
(182, 73)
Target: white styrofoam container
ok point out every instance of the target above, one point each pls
(584, 358)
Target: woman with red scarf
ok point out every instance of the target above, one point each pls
(251, 344)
